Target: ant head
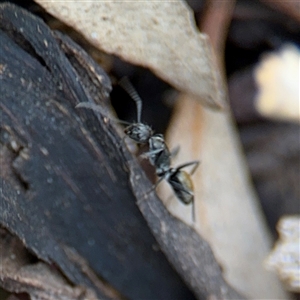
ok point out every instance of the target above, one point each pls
(139, 132)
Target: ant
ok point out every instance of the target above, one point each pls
(159, 155)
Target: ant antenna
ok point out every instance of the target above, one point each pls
(127, 86)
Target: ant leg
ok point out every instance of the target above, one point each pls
(194, 162)
(155, 185)
(153, 188)
(146, 155)
(181, 188)
(158, 182)
(193, 212)
(127, 86)
(195, 167)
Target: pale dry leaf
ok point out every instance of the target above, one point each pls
(278, 80)
(227, 214)
(285, 257)
(159, 35)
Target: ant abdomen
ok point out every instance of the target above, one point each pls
(183, 186)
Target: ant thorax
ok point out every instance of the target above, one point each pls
(157, 142)
(139, 132)
(159, 154)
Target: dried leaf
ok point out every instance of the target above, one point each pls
(226, 208)
(157, 35)
(278, 78)
(284, 259)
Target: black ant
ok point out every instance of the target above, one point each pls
(159, 155)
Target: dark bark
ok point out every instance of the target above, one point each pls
(70, 187)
